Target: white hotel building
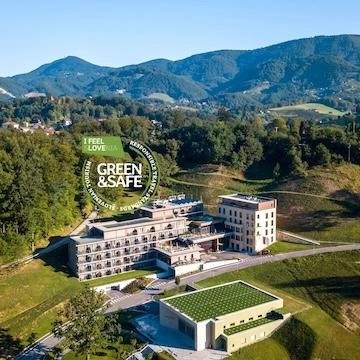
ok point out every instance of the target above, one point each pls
(174, 231)
(252, 219)
(112, 247)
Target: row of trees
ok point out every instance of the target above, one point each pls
(39, 189)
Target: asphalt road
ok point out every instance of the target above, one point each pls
(38, 350)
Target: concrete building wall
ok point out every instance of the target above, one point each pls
(203, 335)
(236, 341)
(244, 316)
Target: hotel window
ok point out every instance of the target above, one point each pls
(266, 224)
(230, 212)
(223, 210)
(272, 222)
(232, 324)
(240, 214)
(235, 213)
(272, 230)
(266, 215)
(266, 232)
(272, 214)
(250, 319)
(258, 216)
(219, 210)
(242, 321)
(259, 316)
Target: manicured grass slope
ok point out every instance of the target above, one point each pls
(211, 303)
(31, 295)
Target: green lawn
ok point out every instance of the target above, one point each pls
(31, 295)
(318, 218)
(124, 276)
(104, 354)
(211, 303)
(325, 282)
(281, 247)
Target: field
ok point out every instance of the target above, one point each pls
(324, 294)
(313, 107)
(211, 303)
(161, 96)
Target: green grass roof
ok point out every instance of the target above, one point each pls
(217, 301)
(246, 326)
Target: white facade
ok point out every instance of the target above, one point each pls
(252, 220)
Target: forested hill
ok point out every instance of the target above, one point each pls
(306, 69)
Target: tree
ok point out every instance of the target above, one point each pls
(82, 322)
(322, 155)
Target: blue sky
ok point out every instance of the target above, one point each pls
(116, 33)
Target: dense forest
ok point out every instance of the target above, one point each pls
(40, 174)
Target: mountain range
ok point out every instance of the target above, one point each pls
(312, 69)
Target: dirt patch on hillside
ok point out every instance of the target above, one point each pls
(351, 315)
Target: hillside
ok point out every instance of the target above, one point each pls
(309, 70)
(323, 205)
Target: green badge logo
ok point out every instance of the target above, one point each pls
(103, 146)
(119, 179)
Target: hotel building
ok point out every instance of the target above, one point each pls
(174, 232)
(252, 220)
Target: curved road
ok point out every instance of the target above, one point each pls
(42, 346)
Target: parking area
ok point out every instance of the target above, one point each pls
(224, 255)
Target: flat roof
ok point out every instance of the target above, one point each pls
(158, 205)
(113, 225)
(252, 199)
(210, 303)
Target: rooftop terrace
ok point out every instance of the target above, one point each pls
(252, 199)
(219, 300)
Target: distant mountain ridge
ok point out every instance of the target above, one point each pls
(310, 68)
